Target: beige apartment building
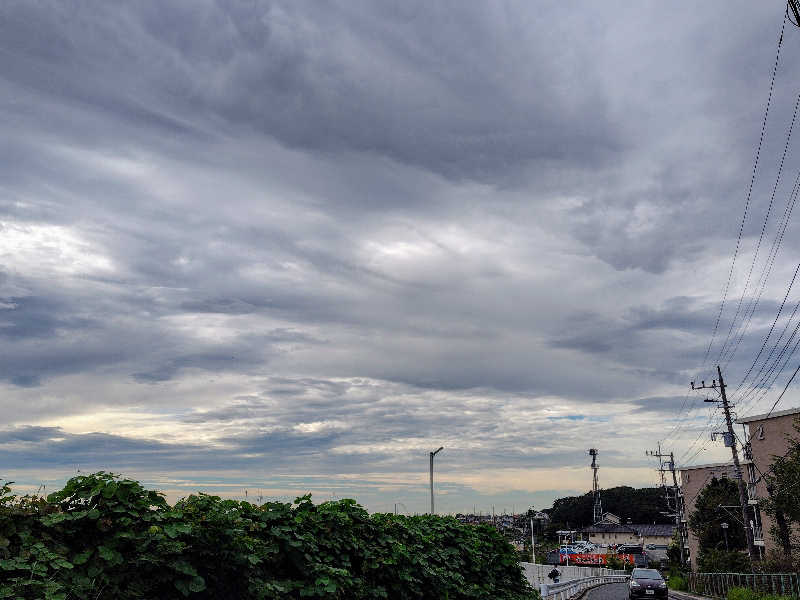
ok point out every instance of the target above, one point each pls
(767, 435)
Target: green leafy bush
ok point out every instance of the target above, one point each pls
(679, 583)
(742, 593)
(106, 537)
(719, 561)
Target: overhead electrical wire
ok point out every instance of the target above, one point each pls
(774, 252)
(749, 195)
(687, 409)
(776, 244)
(760, 384)
(772, 327)
(777, 374)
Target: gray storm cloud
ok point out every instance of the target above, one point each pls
(318, 238)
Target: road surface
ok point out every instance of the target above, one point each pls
(611, 591)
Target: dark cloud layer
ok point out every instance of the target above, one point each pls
(331, 235)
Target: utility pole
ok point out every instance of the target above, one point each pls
(432, 455)
(678, 512)
(730, 439)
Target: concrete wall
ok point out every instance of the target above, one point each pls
(537, 574)
(659, 540)
(604, 539)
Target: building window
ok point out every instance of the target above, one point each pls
(760, 432)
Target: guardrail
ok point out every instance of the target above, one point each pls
(717, 585)
(568, 589)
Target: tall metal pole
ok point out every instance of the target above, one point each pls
(433, 512)
(751, 549)
(597, 510)
(432, 509)
(678, 507)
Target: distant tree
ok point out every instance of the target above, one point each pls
(706, 522)
(643, 505)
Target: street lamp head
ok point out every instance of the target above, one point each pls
(724, 525)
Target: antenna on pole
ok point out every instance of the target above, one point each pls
(597, 512)
(795, 11)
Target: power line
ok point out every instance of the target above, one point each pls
(769, 333)
(772, 370)
(749, 193)
(768, 265)
(773, 254)
(786, 387)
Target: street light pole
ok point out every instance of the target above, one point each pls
(432, 455)
(725, 532)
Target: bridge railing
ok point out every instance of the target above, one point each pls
(567, 589)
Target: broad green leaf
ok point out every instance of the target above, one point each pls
(80, 559)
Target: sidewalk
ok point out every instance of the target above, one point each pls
(686, 596)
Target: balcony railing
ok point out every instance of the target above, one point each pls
(758, 534)
(752, 494)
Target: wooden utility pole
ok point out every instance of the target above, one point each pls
(678, 513)
(730, 440)
(748, 532)
(678, 507)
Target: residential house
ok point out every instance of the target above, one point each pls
(611, 531)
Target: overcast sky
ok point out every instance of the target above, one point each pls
(290, 246)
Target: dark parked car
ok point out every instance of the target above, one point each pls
(646, 583)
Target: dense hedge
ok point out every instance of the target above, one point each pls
(106, 537)
(740, 593)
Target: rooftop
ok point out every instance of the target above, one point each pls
(706, 466)
(765, 416)
(640, 529)
(608, 528)
(659, 529)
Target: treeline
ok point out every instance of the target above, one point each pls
(642, 505)
(104, 537)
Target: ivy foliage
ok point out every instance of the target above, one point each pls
(105, 537)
